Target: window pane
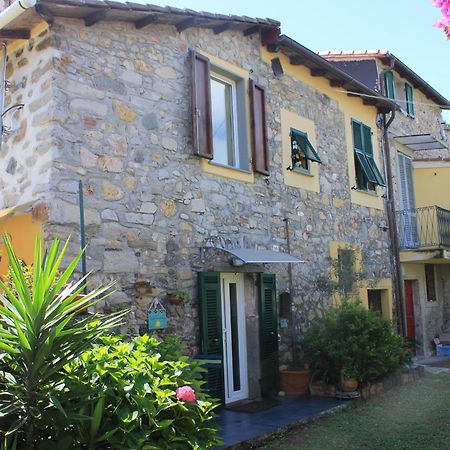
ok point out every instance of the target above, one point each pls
(374, 297)
(222, 122)
(389, 80)
(357, 138)
(376, 171)
(365, 168)
(429, 280)
(367, 134)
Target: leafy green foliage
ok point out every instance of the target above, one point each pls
(123, 397)
(350, 341)
(39, 335)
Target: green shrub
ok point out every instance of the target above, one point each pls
(40, 334)
(124, 397)
(351, 341)
(66, 384)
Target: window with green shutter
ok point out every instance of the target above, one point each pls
(368, 176)
(389, 84)
(302, 152)
(409, 100)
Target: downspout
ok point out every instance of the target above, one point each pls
(392, 222)
(291, 290)
(390, 210)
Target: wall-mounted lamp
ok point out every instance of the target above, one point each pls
(236, 262)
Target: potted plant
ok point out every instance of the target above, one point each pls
(295, 378)
(176, 297)
(349, 378)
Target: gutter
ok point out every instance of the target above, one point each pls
(14, 10)
(332, 69)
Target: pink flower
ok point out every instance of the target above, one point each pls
(186, 394)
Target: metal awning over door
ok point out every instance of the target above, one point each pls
(253, 256)
(420, 142)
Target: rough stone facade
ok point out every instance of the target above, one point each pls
(27, 155)
(120, 121)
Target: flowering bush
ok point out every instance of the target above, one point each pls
(134, 393)
(444, 21)
(186, 394)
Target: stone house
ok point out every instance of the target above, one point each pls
(215, 156)
(420, 157)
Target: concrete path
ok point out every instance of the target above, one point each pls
(434, 364)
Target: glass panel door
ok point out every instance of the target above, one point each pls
(234, 338)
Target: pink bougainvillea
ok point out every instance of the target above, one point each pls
(444, 21)
(186, 394)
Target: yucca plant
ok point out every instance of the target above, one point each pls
(40, 333)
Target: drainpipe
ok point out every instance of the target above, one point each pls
(291, 290)
(14, 10)
(390, 210)
(392, 222)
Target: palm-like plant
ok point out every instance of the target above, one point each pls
(39, 334)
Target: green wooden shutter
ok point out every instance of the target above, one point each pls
(268, 334)
(211, 331)
(409, 100)
(389, 83)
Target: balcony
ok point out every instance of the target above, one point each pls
(426, 228)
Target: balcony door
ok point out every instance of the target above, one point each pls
(408, 232)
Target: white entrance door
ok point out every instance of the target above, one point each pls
(234, 338)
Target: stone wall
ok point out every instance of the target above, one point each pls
(122, 126)
(26, 155)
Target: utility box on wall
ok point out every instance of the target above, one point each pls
(285, 305)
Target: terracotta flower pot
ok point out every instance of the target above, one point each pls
(349, 384)
(174, 300)
(294, 381)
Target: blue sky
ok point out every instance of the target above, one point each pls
(404, 27)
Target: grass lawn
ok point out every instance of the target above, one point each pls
(412, 417)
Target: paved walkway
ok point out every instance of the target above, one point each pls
(238, 427)
(434, 364)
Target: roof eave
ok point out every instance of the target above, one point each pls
(337, 77)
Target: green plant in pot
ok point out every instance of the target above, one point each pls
(177, 297)
(349, 377)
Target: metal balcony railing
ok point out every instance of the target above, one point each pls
(424, 228)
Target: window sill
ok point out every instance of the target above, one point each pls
(223, 171)
(224, 166)
(303, 172)
(364, 191)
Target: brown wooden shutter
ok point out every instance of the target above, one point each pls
(259, 132)
(201, 106)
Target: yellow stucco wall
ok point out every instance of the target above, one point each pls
(362, 286)
(17, 44)
(309, 182)
(432, 184)
(22, 230)
(352, 108)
